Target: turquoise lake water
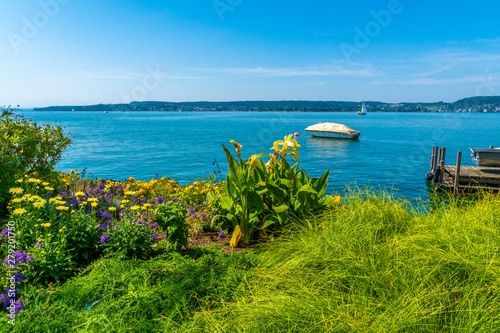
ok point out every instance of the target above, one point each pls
(393, 151)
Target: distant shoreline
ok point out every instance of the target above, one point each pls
(473, 104)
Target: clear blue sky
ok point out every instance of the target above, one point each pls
(69, 52)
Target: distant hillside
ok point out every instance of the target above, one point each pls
(489, 102)
(476, 101)
(312, 106)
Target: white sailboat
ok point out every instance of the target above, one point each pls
(363, 110)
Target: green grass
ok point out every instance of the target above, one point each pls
(375, 265)
(135, 296)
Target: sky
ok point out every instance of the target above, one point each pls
(73, 52)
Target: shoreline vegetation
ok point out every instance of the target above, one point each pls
(472, 104)
(93, 255)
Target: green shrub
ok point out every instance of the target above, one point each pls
(27, 147)
(171, 218)
(266, 196)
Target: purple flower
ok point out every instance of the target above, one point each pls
(17, 305)
(5, 300)
(105, 239)
(5, 233)
(20, 258)
(39, 244)
(18, 277)
(221, 234)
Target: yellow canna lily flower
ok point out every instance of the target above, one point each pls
(254, 162)
(237, 146)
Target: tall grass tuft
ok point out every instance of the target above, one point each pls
(374, 265)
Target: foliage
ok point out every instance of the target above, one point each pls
(27, 147)
(117, 295)
(374, 265)
(260, 195)
(171, 218)
(63, 224)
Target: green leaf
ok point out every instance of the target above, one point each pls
(255, 200)
(270, 221)
(321, 184)
(226, 203)
(281, 208)
(308, 189)
(235, 173)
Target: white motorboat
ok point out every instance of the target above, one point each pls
(332, 130)
(486, 157)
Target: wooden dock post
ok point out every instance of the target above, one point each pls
(456, 186)
(430, 174)
(438, 175)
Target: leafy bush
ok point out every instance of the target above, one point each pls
(27, 147)
(263, 196)
(171, 218)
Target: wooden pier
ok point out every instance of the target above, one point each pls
(458, 178)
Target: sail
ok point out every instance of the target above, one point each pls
(363, 109)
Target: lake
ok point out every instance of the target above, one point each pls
(393, 150)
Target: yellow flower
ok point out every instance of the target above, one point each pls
(337, 199)
(38, 204)
(125, 201)
(52, 199)
(62, 202)
(34, 180)
(93, 199)
(60, 230)
(46, 225)
(112, 209)
(134, 208)
(131, 179)
(77, 173)
(122, 206)
(45, 184)
(17, 200)
(237, 146)
(19, 211)
(39, 220)
(72, 171)
(72, 211)
(129, 193)
(20, 180)
(64, 208)
(95, 204)
(16, 190)
(84, 202)
(79, 194)
(254, 162)
(59, 198)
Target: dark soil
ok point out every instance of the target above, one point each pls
(207, 238)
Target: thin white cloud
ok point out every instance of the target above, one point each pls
(488, 40)
(429, 81)
(102, 75)
(290, 72)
